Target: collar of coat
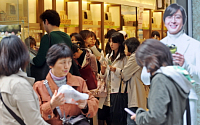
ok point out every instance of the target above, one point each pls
(71, 80)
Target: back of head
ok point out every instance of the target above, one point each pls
(153, 54)
(155, 33)
(57, 51)
(13, 55)
(30, 41)
(52, 16)
(109, 33)
(132, 44)
(75, 47)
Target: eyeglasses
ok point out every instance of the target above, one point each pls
(176, 17)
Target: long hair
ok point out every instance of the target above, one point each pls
(118, 38)
(153, 54)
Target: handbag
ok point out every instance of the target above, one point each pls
(73, 120)
(119, 101)
(101, 90)
(40, 73)
(19, 120)
(88, 75)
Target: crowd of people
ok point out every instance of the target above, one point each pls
(159, 83)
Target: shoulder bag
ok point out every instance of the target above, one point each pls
(19, 120)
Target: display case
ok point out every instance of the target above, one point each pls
(14, 15)
(157, 22)
(146, 24)
(14, 19)
(129, 23)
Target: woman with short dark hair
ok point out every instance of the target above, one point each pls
(131, 73)
(59, 59)
(16, 87)
(169, 87)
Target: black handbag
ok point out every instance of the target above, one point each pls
(40, 73)
(119, 101)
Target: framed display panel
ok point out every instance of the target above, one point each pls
(71, 13)
(146, 25)
(129, 20)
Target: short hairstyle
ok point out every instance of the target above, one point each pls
(52, 16)
(30, 41)
(13, 55)
(57, 51)
(173, 8)
(85, 34)
(132, 44)
(118, 38)
(75, 47)
(153, 54)
(79, 39)
(155, 33)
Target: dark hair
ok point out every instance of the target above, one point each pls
(75, 47)
(13, 55)
(52, 16)
(109, 33)
(57, 51)
(79, 39)
(93, 35)
(153, 54)
(132, 44)
(85, 34)
(118, 38)
(155, 33)
(173, 8)
(97, 42)
(30, 41)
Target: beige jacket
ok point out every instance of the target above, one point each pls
(137, 91)
(19, 96)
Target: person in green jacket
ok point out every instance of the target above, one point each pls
(51, 23)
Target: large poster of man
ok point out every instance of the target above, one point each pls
(188, 50)
(186, 55)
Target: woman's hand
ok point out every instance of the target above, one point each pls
(82, 104)
(103, 67)
(112, 68)
(57, 100)
(133, 117)
(178, 58)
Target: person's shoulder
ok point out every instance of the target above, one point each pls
(164, 39)
(194, 41)
(38, 84)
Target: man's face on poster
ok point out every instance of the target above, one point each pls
(174, 23)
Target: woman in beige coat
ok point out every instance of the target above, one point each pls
(16, 88)
(137, 91)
